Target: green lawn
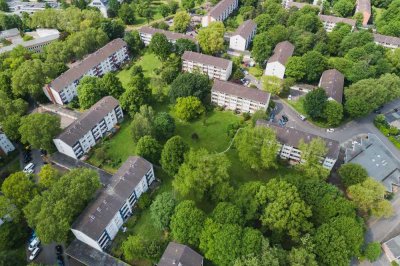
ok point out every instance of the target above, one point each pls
(298, 105)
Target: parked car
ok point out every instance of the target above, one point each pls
(60, 260)
(302, 117)
(34, 244)
(289, 97)
(27, 159)
(330, 130)
(285, 118)
(29, 168)
(378, 110)
(59, 250)
(35, 253)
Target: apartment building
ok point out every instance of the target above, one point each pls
(5, 144)
(102, 5)
(220, 12)
(330, 22)
(7, 34)
(100, 222)
(289, 138)
(287, 4)
(19, 7)
(108, 58)
(332, 81)
(387, 41)
(180, 255)
(237, 97)
(79, 137)
(146, 33)
(214, 67)
(364, 7)
(35, 45)
(242, 37)
(276, 65)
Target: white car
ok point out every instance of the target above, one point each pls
(302, 117)
(330, 130)
(34, 244)
(34, 253)
(29, 168)
(289, 97)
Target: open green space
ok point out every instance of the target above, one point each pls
(298, 105)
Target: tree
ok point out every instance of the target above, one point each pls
(162, 209)
(142, 123)
(164, 126)
(203, 174)
(245, 200)
(187, 223)
(133, 247)
(148, 148)
(272, 84)
(188, 108)
(173, 6)
(227, 213)
(19, 189)
(343, 8)
(261, 48)
(190, 84)
(10, 126)
(295, 68)
(181, 21)
(39, 129)
(90, 92)
(114, 28)
(8, 209)
(11, 107)
(333, 113)
(264, 22)
(113, 7)
(171, 68)
(257, 147)
(29, 79)
(315, 63)
(311, 154)
(182, 45)
(135, 44)
(160, 46)
(127, 13)
(111, 85)
(369, 197)
(12, 236)
(211, 38)
(373, 251)
(301, 256)
(188, 4)
(48, 175)
(172, 155)
(283, 209)
(164, 10)
(133, 98)
(52, 213)
(4, 6)
(315, 102)
(352, 174)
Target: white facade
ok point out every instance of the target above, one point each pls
(275, 69)
(101, 5)
(65, 94)
(5, 144)
(91, 137)
(18, 7)
(243, 36)
(234, 102)
(330, 22)
(220, 12)
(207, 69)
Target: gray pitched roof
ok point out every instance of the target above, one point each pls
(292, 137)
(206, 59)
(245, 29)
(386, 39)
(282, 52)
(332, 19)
(219, 8)
(332, 81)
(88, 120)
(177, 254)
(364, 6)
(169, 34)
(96, 216)
(241, 91)
(87, 64)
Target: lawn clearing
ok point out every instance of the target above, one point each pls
(298, 105)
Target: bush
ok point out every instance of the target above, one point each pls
(246, 116)
(144, 201)
(373, 251)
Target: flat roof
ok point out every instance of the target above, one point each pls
(98, 214)
(30, 43)
(206, 59)
(394, 246)
(241, 91)
(292, 137)
(88, 120)
(282, 52)
(86, 64)
(169, 34)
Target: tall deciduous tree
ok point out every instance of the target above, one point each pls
(135, 44)
(211, 38)
(39, 130)
(127, 13)
(352, 174)
(162, 209)
(48, 176)
(261, 48)
(19, 189)
(182, 45)
(333, 113)
(164, 126)
(172, 155)
(188, 108)
(89, 92)
(272, 84)
(181, 21)
(148, 148)
(111, 85)
(29, 79)
(133, 98)
(257, 147)
(187, 223)
(315, 102)
(190, 84)
(160, 46)
(203, 175)
(311, 154)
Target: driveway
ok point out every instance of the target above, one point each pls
(48, 256)
(36, 159)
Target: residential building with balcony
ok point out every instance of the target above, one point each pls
(108, 58)
(101, 220)
(276, 65)
(332, 81)
(237, 97)
(5, 145)
(79, 137)
(219, 12)
(364, 7)
(214, 67)
(242, 37)
(387, 41)
(290, 138)
(330, 22)
(19, 7)
(146, 34)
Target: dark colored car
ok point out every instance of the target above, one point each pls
(59, 250)
(285, 118)
(378, 110)
(27, 159)
(60, 260)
